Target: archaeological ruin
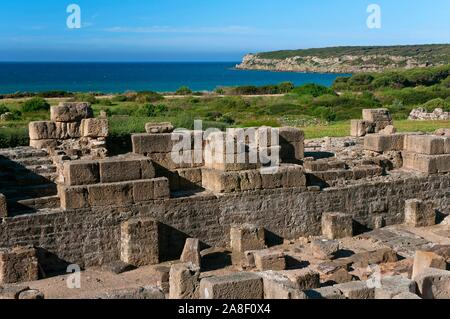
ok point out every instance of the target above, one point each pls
(220, 215)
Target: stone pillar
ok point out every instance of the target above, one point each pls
(419, 213)
(247, 237)
(337, 225)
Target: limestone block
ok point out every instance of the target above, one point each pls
(291, 134)
(406, 295)
(189, 178)
(328, 292)
(272, 180)
(419, 213)
(42, 130)
(427, 259)
(71, 112)
(154, 128)
(95, 127)
(429, 164)
(143, 190)
(324, 248)
(122, 169)
(184, 281)
(447, 145)
(376, 115)
(81, 172)
(153, 143)
(317, 166)
(337, 225)
(220, 182)
(18, 264)
(163, 276)
(110, 194)
(277, 286)
(43, 144)
(139, 242)
(302, 279)
(3, 206)
(250, 180)
(292, 151)
(247, 237)
(67, 130)
(242, 285)
(434, 283)
(73, 197)
(360, 128)
(377, 256)
(394, 285)
(161, 188)
(424, 144)
(269, 260)
(384, 143)
(191, 252)
(292, 176)
(365, 171)
(356, 290)
(388, 130)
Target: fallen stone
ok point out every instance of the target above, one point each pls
(277, 286)
(324, 248)
(247, 237)
(269, 260)
(71, 112)
(337, 225)
(427, 259)
(242, 285)
(356, 290)
(163, 276)
(434, 283)
(154, 128)
(406, 295)
(395, 285)
(184, 281)
(191, 252)
(302, 279)
(419, 213)
(325, 293)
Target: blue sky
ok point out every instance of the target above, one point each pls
(214, 30)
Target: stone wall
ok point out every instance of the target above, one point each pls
(91, 237)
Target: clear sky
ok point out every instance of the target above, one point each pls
(214, 30)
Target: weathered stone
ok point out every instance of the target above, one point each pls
(378, 256)
(424, 144)
(71, 112)
(340, 276)
(429, 164)
(81, 173)
(153, 143)
(154, 128)
(121, 169)
(191, 252)
(184, 281)
(324, 248)
(337, 225)
(242, 285)
(406, 295)
(94, 127)
(427, 259)
(73, 197)
(356, 290)
(163, 276)
(269, 260)
(302, 279)
(384, 143)
(161, 188)
(139, 293)
(376, 115)
(394, 285)
(419, 213)
(277, 286)
(139, 242)
(43, 144)
(360, 128)
(3, 206)
(18, 264)
(110, 194)
(434, 283)
(325, 293)
(388, 130)
(42, 130)
(31, 294)
(247, 237)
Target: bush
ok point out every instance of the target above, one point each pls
(13, 137)
(184, 90)
(312, 89)
(3, 109)
(35, 104)
(150, 110)
(84, 97)
(148, 97)
(431, 105)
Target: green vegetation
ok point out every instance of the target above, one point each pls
(433, 53)
(320, 111)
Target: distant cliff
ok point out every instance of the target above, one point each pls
(349, 59)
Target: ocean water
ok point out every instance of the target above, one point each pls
(121, 77)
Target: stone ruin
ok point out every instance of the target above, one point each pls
(422, 114)
(339, 218)
(374, 121)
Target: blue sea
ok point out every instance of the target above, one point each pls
(121, 77)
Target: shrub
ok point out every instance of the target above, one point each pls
(84, 97)
(431, 105)
(150, 110)
(35, 104)
(312, 89)
(3, 109)
(148, 97)
(184, 90)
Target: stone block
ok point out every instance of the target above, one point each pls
(71, 112)
(356, 290)
(163, 276)
(328, 292)
(73, 197)
(189, 178)
(143, 190)
(250, 180)
(290, 134)
(292, 151)
(94, 127)
(377, 256)
(242, 285)
(427, 259)
(18, 264)
(324, 248)
(277, 286)
(376, 115)
(110, 194)
(161, 188)
(155, 128)
(42, 130)
(337, 225)
(272, 180)
(146, 144)
(424, 144)
(429, 164)
(406, 295)
(384, 143)
(220, 182)
(419, 213)
(12, 291)
(81, 173)
(269, 260)
(184, 281)
(43, 144)
(3, 206)
(123, 169)
(191, 252)
(247, 237)
(434, 283)
(360, 128)
(139, 242)
(68, 130)
(302, 279)
(394, 285)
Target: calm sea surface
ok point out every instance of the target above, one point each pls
(120, 77)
